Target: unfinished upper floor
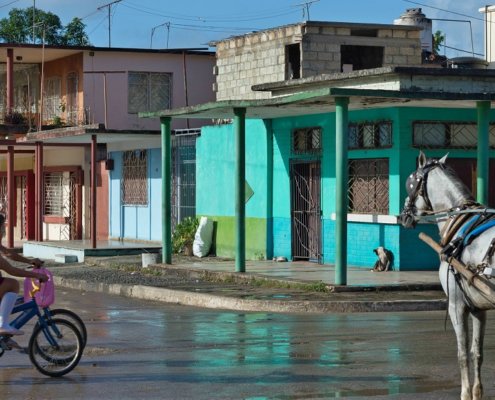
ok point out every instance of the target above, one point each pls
(307, 49)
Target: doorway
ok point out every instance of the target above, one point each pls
(305, 179)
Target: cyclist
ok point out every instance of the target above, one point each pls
(9, 287)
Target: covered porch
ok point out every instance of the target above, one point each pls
(337, 93)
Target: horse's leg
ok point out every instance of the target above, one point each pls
(479, 323)
(458, 313)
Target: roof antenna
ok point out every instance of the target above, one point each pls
(305, 8)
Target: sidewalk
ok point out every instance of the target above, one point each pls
(265, 286)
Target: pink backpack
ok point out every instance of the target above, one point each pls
(45, 296)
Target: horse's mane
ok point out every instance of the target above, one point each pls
(458, 184)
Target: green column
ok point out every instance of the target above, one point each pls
(483, 151)
(341, 188)
(166, 191)
(240, 191)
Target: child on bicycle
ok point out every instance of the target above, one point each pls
(9, 287)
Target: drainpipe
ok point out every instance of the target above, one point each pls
(483, 108)
(165, 123)
(341, 188)
(10, 80)
(184, 70)
(240, 189)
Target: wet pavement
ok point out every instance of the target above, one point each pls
(152, 350)
(265, 286)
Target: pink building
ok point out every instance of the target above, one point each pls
(65, 110)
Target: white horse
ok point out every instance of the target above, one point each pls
(435, 190)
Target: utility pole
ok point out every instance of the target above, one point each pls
(109, 5)
(34, 12)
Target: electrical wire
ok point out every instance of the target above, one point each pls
(8, 4)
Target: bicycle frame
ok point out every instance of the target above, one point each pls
(29, 310)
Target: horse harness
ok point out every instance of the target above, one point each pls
(466, 222)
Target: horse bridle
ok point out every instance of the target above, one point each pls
(416, 186)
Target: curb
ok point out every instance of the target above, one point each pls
(239, 304)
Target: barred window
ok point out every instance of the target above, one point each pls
(457, 135)
(368, 186)
(306, 141)
(369, 135)
(54, 192)
(52, 98)
(134, 178)
(149, 91)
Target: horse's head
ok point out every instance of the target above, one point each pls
(417, 202)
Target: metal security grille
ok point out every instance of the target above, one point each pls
(454, 135)
(148, 91)
(135, 178)
(306, 211)
(368, 135)
(52, 98)
(369, 186)
(60, 201)
(183, 174)
(306, 141)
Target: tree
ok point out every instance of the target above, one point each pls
(438, 39)
(19, 27)
(74, 34)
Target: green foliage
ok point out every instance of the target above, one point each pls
(75, 34)
(18, 28)
(438, 39)
(184, 234)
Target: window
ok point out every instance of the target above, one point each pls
(368, 186)
(54, 193)
(457, 135)
(293, 61)
(361, 57)
(148, 91)
(134, 178)
(306, 141)
(72, 98)
(52, 98)
(368, 135)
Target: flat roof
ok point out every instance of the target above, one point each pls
(382, 87)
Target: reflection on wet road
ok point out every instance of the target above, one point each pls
(148, 350)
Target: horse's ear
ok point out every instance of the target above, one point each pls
(421, 159)
(443, 159)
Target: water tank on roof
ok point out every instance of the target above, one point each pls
(467, 63)
(414, 17)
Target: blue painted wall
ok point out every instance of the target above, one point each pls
(136, 222)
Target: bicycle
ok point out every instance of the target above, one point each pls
(55, 346)
(45, 297)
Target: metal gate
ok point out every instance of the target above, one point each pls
(306, 210)
(183, 174)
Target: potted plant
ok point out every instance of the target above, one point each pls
(183, 236)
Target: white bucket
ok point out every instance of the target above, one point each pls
(149, 258)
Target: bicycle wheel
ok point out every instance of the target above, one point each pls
(69, 316)
(55, 354)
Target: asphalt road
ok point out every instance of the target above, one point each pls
(150, 350)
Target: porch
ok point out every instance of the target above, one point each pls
(76, 250)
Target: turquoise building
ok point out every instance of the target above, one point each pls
(291, 159)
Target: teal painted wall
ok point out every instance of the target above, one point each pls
(268, 158)
(215, 183)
